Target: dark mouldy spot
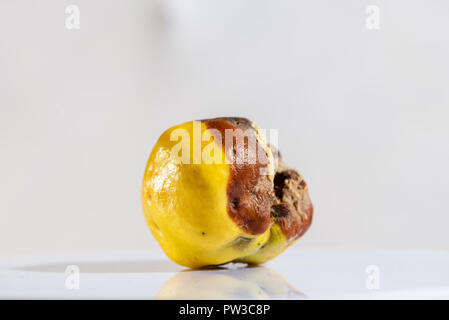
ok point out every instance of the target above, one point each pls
(235, 202)
(280, 210)
(280, 179)
(294, 211)
(203, 233)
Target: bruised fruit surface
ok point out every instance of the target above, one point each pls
(214, 191)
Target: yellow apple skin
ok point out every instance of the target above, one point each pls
(210, 211)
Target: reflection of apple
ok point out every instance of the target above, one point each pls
(242, 283)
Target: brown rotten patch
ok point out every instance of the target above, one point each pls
(254, 200)
(250, 193)
(293, 211)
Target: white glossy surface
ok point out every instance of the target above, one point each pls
(297, 274)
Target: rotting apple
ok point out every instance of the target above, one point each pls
(224, 201)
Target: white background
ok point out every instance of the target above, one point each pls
(362, 114)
